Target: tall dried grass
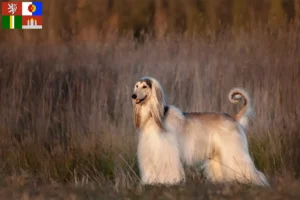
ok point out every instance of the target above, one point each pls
(66, 112)
(89, 20)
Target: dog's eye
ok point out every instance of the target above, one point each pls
(144, 86)
(136, 86)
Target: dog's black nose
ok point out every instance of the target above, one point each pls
(134, 96)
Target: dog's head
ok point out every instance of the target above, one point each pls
(142, 91)
(149, 93)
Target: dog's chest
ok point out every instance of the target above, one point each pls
(153, 143)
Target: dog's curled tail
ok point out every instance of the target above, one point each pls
(247, 111)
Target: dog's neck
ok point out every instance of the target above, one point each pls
(143, 117)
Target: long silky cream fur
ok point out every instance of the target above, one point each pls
(158, 148)
(166, 141)
(157, 103)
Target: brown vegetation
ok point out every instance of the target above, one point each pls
(87, 20)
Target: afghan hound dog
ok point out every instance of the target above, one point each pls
(170, 139)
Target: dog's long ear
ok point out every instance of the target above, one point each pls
(157, 104)
(137, 115)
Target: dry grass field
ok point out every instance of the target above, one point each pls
(66, 115)
(66, 127)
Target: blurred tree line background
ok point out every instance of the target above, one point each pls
(83, 20)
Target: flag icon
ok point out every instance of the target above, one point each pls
(32, 22)
(11, 8)
(11, 22)
(22, 15)
(32, 8)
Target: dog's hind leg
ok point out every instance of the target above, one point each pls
(212, 166)
(236, 162)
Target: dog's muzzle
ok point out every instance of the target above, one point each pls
(137, 101)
